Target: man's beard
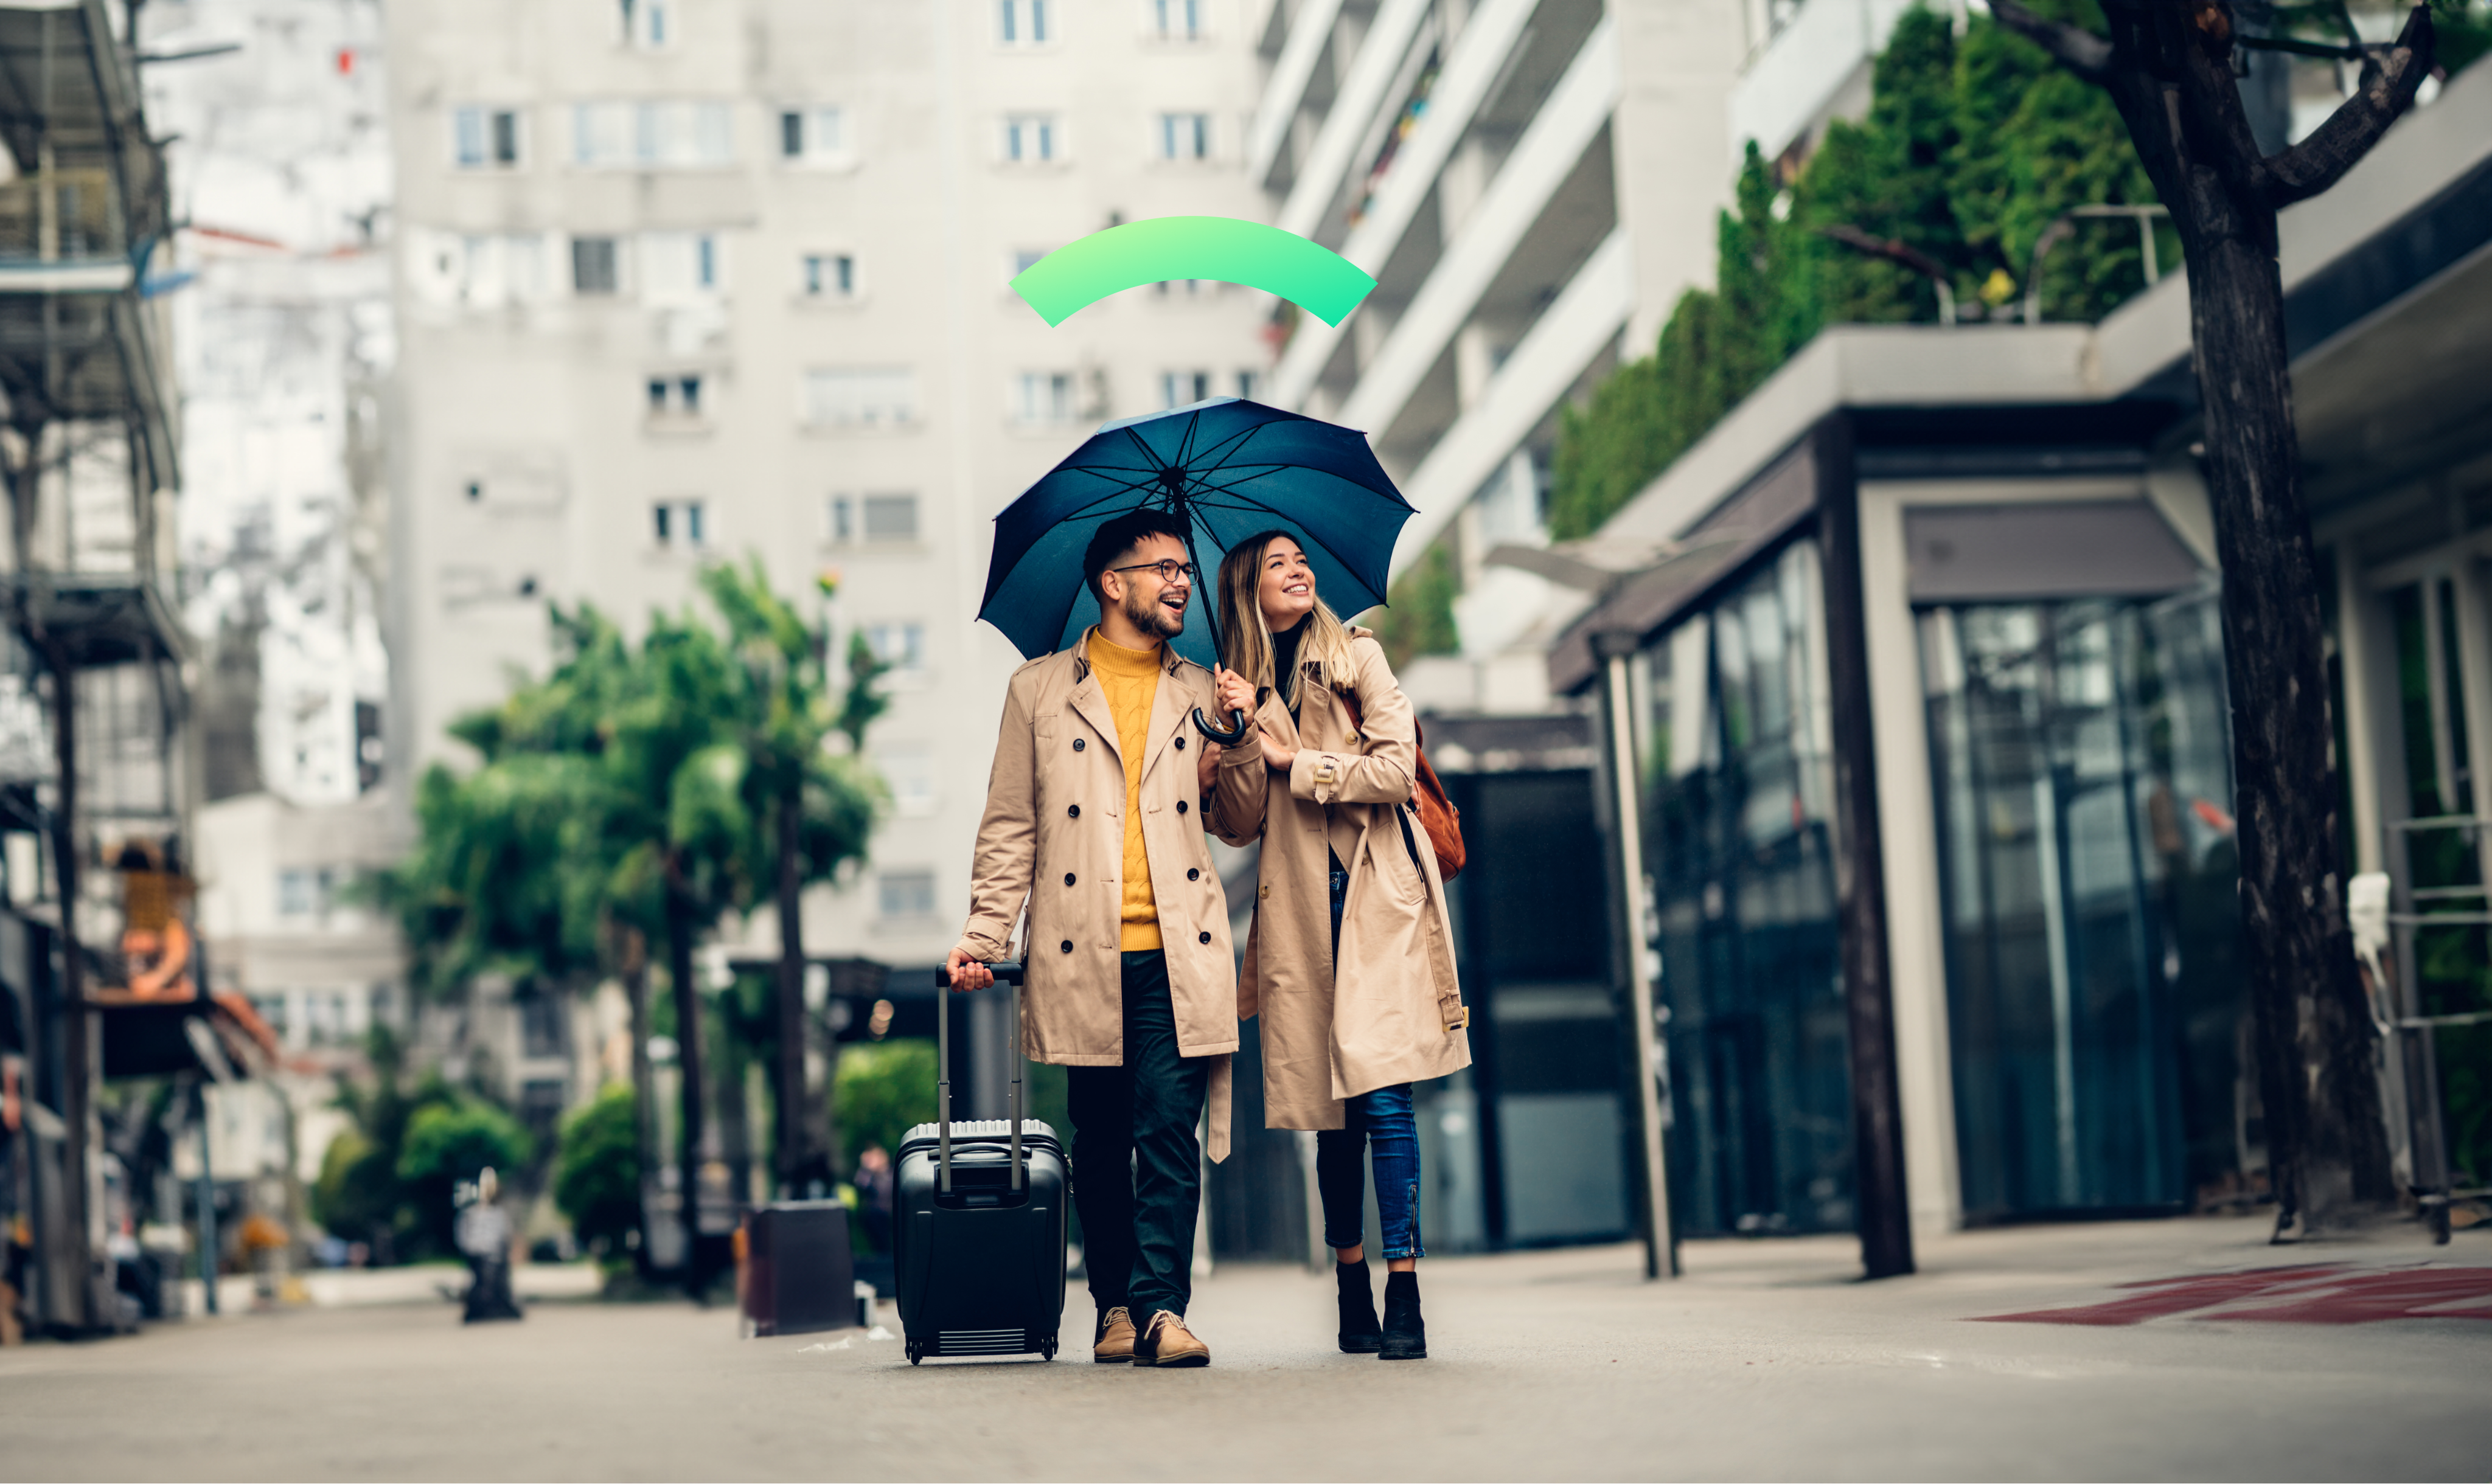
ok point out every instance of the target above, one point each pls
(1151, 617)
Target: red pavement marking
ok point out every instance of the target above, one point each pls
(2318, 1294)
(2172, 1295)
(2399, 1294)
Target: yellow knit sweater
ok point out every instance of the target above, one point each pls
(1131, 681)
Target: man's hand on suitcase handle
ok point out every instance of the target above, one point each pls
(965, 974)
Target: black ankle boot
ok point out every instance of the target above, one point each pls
(1359, 1333)
(1406, 1334)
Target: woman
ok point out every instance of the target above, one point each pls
(1350, 962)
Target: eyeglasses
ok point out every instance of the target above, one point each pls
(1170, 569)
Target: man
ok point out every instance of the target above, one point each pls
(1094, 820)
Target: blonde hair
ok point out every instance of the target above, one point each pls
(1324, 640)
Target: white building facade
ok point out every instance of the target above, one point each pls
(683, 280)
(1533, 183)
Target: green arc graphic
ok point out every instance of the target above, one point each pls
(1081, 274)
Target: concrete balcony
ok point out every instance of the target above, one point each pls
(1816, 68)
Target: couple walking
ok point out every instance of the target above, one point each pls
(1095, 821)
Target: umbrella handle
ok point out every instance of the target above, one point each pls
(1231, 738)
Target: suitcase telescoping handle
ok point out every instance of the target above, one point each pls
(1009, 972)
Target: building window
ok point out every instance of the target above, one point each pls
(1178, 21)
(900, 646)
(1178, 388)
(672, 134)
(842, 520)
(678, 523)
(484, 269)
(1042, 397)
(812, 136)
(306, 892)
(1248, 384)
(1023, 259)
(910, 774)
(485, 138)
(906, 893)
(890, 517)
(829, 275)
(1022, 22)
(676, 397)
(541, 1025)
(647, 23)
(1030, 138)
(1185, 136)
(853, 397)
(594, 267)
(681, 267)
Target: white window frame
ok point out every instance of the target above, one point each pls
(822, 141)
(480, 120)
(890, 500)
(1032, 139)
(647, 25)
(1023, 23)
(1043, 399)
(839, 398)
(820, 275)
(678, 397)
(680, 524)
(670, 134)
(685, 268)
(1174, 385)
(1182, 138)
(910, 878)
(900, 643)
(1178, 21)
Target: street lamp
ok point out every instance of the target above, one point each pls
(1601, 569)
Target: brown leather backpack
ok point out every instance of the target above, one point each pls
(1437, 815)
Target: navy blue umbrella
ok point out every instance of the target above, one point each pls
(1225, 468)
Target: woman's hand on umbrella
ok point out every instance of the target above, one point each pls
(1235, 694)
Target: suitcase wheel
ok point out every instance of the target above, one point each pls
(916, 1352)
(1046, 1348)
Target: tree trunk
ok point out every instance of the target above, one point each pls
(81, 1063)
(681, 923)
(2327, 1149)
(798, 1163)
(645, 1143)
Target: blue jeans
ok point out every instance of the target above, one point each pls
(1380, 1121)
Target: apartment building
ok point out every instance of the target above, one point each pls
(1533, 183)
(683, 280)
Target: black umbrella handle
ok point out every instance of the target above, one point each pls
(1236, 734)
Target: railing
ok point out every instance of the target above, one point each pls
(66, 214)
(2409, 1031)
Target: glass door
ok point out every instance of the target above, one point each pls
(2083, 783)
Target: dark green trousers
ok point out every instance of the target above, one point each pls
(1136, 1167)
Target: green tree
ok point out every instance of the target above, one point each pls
(886, 1089)
(811, 811)
(1418, 613)
(597, 1172)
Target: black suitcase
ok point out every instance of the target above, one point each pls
(979, 1220)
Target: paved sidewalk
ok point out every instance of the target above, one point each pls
(1769, 1360)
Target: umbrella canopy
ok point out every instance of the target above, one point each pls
(1227, 468)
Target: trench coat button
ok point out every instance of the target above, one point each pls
(1073, 811)
(1079, 744)
(1068, 877)
(1203, 937)
(1180, 744)
(1180, 807)
(1193, 874)
(1066, 946)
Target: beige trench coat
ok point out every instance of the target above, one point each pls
(1391, 1011)
(1052, 838)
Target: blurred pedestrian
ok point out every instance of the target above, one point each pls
(484, 1233)
(873, 1188)
(1350, 959)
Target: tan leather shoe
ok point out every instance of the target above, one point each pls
(1115, 1343)
(1168, 1342)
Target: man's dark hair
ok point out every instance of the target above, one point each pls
(1116, 540)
